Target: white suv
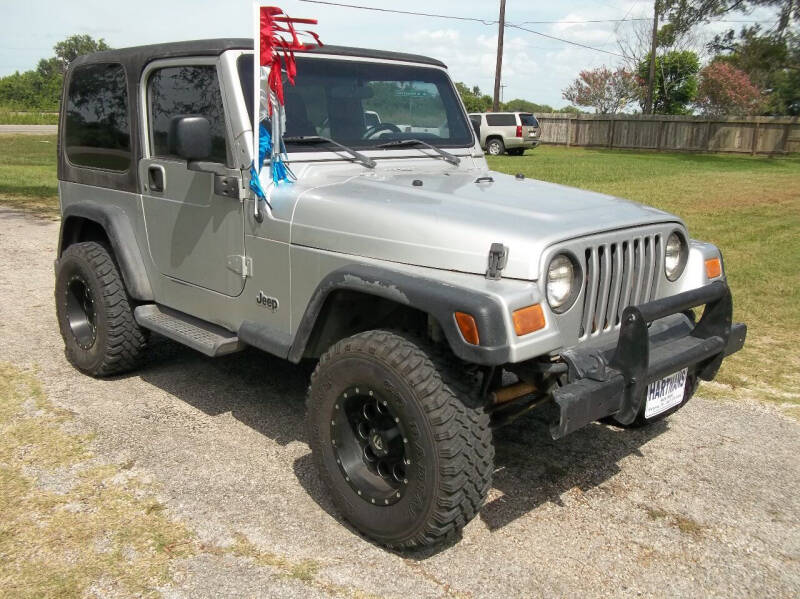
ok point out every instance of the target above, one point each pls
(510, 132)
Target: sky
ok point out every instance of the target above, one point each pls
(534, 67)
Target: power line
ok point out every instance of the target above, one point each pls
(403, 12)
(561, 39)
(508, 24)
(485, 22)
(581, 22)
(494, 22)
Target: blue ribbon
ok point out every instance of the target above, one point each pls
(279, 169)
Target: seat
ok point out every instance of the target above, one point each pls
(297, 122)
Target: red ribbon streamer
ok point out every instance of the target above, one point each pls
(278, 43)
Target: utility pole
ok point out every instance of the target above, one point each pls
(651, 78)
(499, 66)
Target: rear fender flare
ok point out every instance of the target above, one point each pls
(116, 224)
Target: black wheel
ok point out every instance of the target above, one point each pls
(94, 312)
(495, 146)
(404, 448)
(516, 152)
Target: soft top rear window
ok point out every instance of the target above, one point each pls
(97, 127)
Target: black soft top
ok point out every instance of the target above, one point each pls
(135, 59)
(138, 56)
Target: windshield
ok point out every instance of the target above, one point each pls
(366, 104)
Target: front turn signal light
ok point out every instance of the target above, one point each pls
(713, 268)
(468, 327)
(529, 319)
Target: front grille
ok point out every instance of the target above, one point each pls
(618, 274)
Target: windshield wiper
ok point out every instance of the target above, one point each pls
(317, 139)
(447, 156)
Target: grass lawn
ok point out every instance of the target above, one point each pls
(28, 173)
(16, 117)
(748, 206)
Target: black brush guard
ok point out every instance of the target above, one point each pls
(655, 339)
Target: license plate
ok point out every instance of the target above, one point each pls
(665, 393)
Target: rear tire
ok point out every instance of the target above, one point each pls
(516, 152)
(400, 441)
(495, 146)
(95, 315)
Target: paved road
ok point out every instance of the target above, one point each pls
(29, 129)
(706, 504)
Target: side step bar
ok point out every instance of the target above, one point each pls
(207, 338)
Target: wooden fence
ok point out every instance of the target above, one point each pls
(746, 135)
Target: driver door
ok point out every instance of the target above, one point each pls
(195, 233)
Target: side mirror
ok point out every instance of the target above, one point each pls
(190, 137)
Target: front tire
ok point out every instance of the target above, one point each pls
(403, 446)
(95, 314)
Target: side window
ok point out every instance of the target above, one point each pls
(97, 128)
(475, 118)
(500, 120)
(184, 91)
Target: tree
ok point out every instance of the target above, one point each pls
(675, 81)
(76, 45)
(41, 88)
(520, 105)
(685, 14)
(771, 61)
(473, 100)
(726, 90)
(608, 92)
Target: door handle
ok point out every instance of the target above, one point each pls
(156, 177)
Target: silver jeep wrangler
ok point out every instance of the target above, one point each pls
(437, 299)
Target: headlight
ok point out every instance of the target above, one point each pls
(675, 256)
(562, 283)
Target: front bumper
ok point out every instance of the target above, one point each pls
(655, 339)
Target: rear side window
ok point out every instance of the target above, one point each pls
(501, 120)
(475, 118)
(528, 120)
(186, 91)
(97, 128)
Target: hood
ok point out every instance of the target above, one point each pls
(450, 220)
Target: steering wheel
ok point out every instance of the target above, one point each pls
(380, 127)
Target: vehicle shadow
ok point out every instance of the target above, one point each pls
(267, 394)
(262, 391)
(532, 469)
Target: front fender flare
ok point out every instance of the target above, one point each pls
(431, 296)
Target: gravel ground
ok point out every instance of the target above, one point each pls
(704, 504)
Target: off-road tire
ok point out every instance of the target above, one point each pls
(495, 146)
(117, 342)
(450, 441)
